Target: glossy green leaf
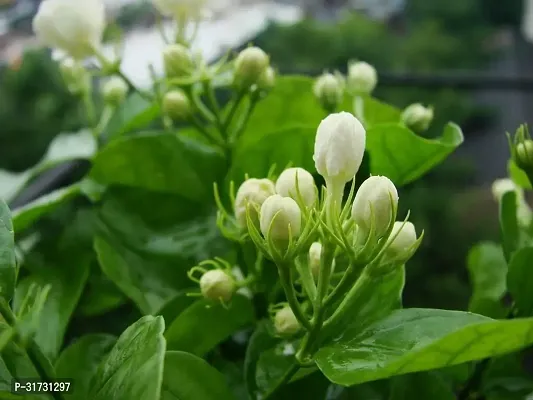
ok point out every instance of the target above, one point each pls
(134, 114)
(7, 253)
(415, 340)
(175, 306)
(422, 385)
(188, 377)
(403, 156)
(204, 324)
(80, 361)
(148, 241)
(134, 367)
(25, 216)
(518, 176)
(488, 274)
(509, 228)
(67, 280)
(375, 112)
(160, 162)
(520, 281)
(100, 296)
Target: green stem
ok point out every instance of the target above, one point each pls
(104, 120)
(308, 282)
(346, 282)
(359, 108)
(89, 110)
(34, 353)
(282, 381)
(200, 106)
(244, 121)
(145, 95)
(285, 274)
(233, 109)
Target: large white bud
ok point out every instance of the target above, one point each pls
(400, 246)
(285, 322)
(279, 216)
(362, 78)
(417, 117)
(75, 27)
(253, 193)
(217, 285)
(286, 185)
(339, 147)
(373, 204)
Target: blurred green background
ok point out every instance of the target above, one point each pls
(430, 37)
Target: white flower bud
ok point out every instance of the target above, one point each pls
(417, 117)
(373, 204)
(114, 91)
(177, 60)
(74, 27)
(252, 194)
(285, 322)
(176, 105)
(217, 285)
(286, 185)
(524, 154)
(329, 90)
(339, 147)
(267, 80)
(401, 245)
(279, 215)
(502, 186)
(362, 78)
(315, 252)
(74, 75)
(250, 64)
(181, 9)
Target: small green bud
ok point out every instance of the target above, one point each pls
(417, 117)
(251, 195)
(285, 322)
(217, 285)
(402, 239)
(315, 252)
(286, 185)
(329, 90)
(114, 90)
(250, 65)
(524, 154)
(373, 204)
(279, 216)
(74, 75)
(177, 60)
(176, 105)
(267, 80)
(362, 78)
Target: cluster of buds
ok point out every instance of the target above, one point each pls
(252, 69)
(417, 117)
(522, 150)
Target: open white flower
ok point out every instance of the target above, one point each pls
(72, 26)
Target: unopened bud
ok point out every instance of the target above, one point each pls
(401, 241)
(249, 66)
(176, 105)
(280, 217)
(251, 196)
(362, 78)
(177, 60)
(285, 322)
(74, 75)
(524, 154)
(267, 80)
(217, 285)
(286, 185)
(315, 252)
(374, 205)
(329, 90)
(114, 91)
(417, 117)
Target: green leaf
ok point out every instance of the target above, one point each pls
(415, 340)
(256, 155)
(518, 176)
(7, 253)
(160, 162)
(422, 385)
(100, 296)
(403, 156)
(134, 114)
(67, 279)
(509, 228)
(24, 216)
(488, 273)
(80, 361)
(375, 112)
(205, 324)
(520, 281)
(134, 367)
(188, 377)
(148, 241)
(175, 306)
(506, 378)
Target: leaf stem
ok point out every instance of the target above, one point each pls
(285, 274)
